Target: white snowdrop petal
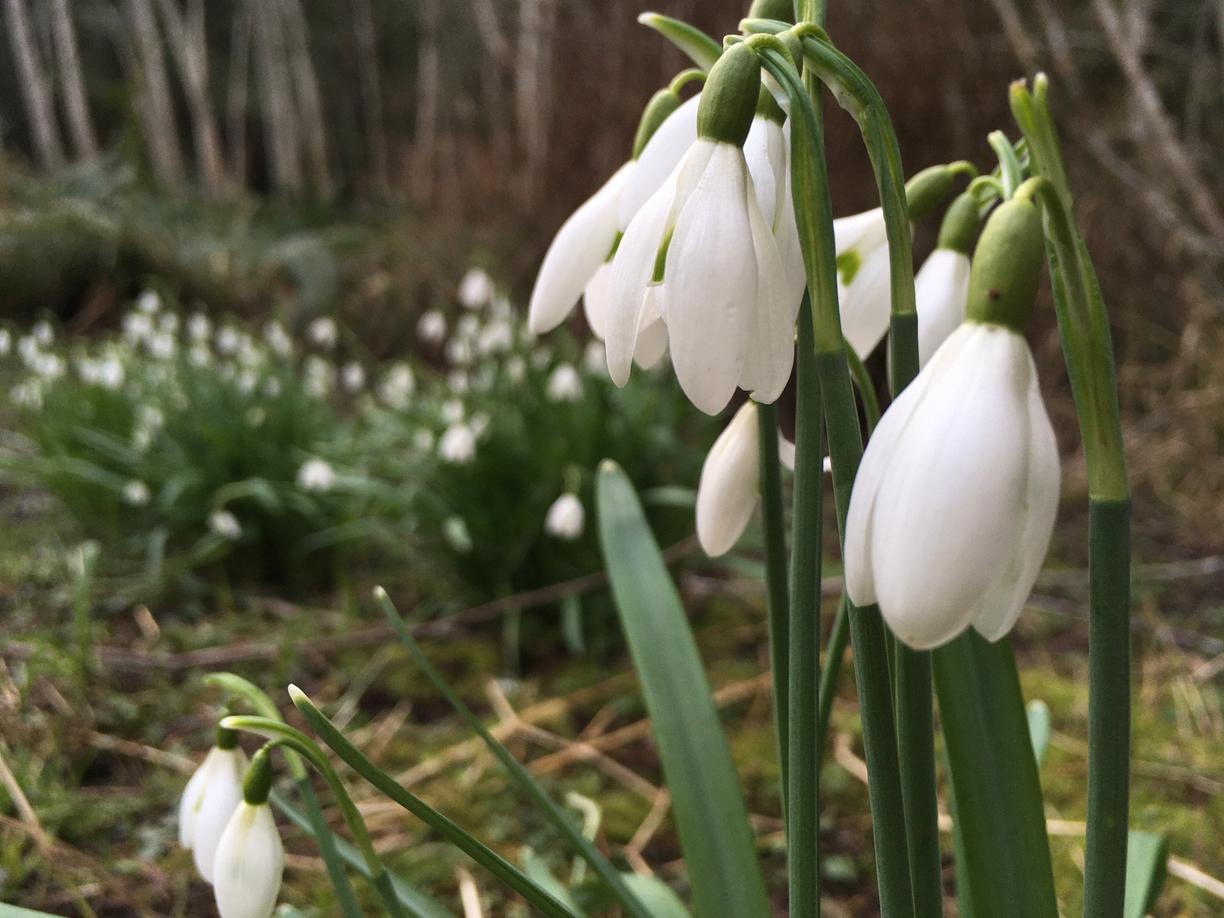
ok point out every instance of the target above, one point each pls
(860, 231)
(765, 154)
(659, 158)
(865, 303)
(575, 254)
(651, 344)
(727, 493)
(189, 801)
(770, 354)
(1004, 602)
(222, 792)
(250, 863)
(943, 524)
(941, 289)
(596, 300)
(710, 277)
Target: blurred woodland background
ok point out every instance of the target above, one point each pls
(350, 160)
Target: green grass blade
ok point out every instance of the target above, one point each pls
(416, 902)
(712, 822)
(659, 899)
(1000, 821)
(560, 819)
(477, 850)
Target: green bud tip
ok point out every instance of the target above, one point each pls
(960, 224)
(296, 695)
(926, 189)
(257, 782)
(729, 99)
(1007, 265)
(657, 110)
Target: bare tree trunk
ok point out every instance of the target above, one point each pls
(35, 87)
(532, 94)
(156, 103)
(75, 105)
(428, 78)
(493, 77)
(309, 101)
(188, 43)
(371, 94)
(236, 94)
(276, 98)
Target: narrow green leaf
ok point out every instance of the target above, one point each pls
(560, 819)
(657, 896)
(477, 850)
(1038, 715)
(538, 871)
(1146, 857)
(700, 47)
(717, 841)
(416, 902)
(999, 817)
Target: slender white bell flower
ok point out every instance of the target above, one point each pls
(211, 795)
(250, 859)
(721, 294)
(431, 327)
(457, 445)
(863, 291)
(564, 384)
(565, 518)
(323, 332)
(941, 286)
(728, 491)
(225, 524)
(658, 159)
(954, 504)
(316, 475)
(476, 289)
(136, 493)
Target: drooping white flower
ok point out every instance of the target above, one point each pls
(658, 160)
(457, 445)
(729, 489)
(148, 302)
(476, 289)
(496, 337)
(954, 503)
(136, 493)
(229, 340)
(455, 531)
(318, 376)
(199, 328)
(211, 795)
(431, 327)
(225, 524)
(162, 346)
(863, 279)
(941, 288)
(452, 411)
(323, 333)
(250, 860)
(397, 386)
(564, 384)
(565, 518)
(316, 475)
(278, 339)
(353, 376)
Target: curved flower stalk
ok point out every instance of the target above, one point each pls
(250, 858)
(941, 286)
(579, 258)
(722, 291)
(211, 795)
(954, 504)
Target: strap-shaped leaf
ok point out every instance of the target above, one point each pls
(1146, 858)
(719, 852)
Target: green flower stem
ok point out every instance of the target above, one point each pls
(777, 592)
(294, 739)
(815, 222)
(259, 700)
(839, 636)
(803, 768)
(498, 866)
(1083, 324)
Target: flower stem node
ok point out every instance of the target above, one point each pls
(730, 97)
(1007, 264)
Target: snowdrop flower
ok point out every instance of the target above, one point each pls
(199, 328)
(476, 289)
(723, 295)
(452, 411)
(136, 493)
(516, 369)
(431, 327)
(148, 302)
(322, 332)
(27, 394)
(564, 384)
(168, 323)
(278, 339)
(495, 337)
(316, 475)
(456, 533)
(467, 327)
(941, 286)
(49, 366)
(577, 262)
(319, 376)
(863, 279)
(162, 345)
(225, 524)
(43, 333)
(458, 445)
(459, 351)
(228, 341)
(353, 376)
(728, 491)
(250, 858)
(594, 358)
(954, 503)
(6, 342)
(458, 382)
(397, 387)
(208, 801)
(566, 518)
(136, 327)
